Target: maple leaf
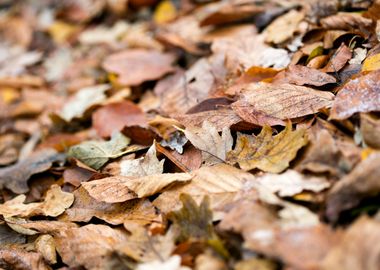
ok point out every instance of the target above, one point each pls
(267, 153)
(208, 140)
(96, 153)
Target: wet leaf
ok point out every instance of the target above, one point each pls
(267, 153)
(96, 153)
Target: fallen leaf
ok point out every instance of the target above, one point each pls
(96, 153)
(15, 177)
(46, 247)
(135, 66)
(291, 183)
(15, 257)
(208, 140)
(362, 182)
(361, 240)
(55, 203)
(338, 60)
(83, 100)
(115, 116)
(301, 75)
(147, 165)
(357, 95)
(85, 207)
(220, 182)
(370, 128)
(165, 12)
(371, 63)
(283, 28)
(265, 103)
(173, 263)
(89, 246)
(123, 188)
(267, 153)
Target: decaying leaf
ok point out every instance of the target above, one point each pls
(55, 203)
(138, 65)
(123, 188)
(357, 95)
(208, 140)
(147, 165)
(267, 153)
(15, 177)
(96, 153)
(265, 103)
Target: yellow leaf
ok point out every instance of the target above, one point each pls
(267, 153)
(61, 31)
(8, 94)
(371, 63)
(164, 12)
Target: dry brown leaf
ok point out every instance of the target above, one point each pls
(207, 139)
(267, 153)
(301, 75)
(46, 247)
(220, 118)
(291, 183)
(123, 188)
(85, 207)
(136, 66)
(283, 28)
(15, 177)
(182, 91)
(15, 257)
(338, 60)
(265, 103)
(361, 94)
(346, 21)
(89, 246)
(361, 241)
(115, 116)
(220, 182)
(55, 203)
(370, 129)
(361, 183)
(147, 165)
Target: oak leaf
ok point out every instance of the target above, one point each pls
(55, 203)
(267, 153)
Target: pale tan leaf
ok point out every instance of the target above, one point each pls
(55, 203)
(291, 183)
(147, 165)
(283, 28)
(46, 247)
(208, 140)
(123, 188)
(220, 182)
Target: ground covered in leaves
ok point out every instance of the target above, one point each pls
(190, 134)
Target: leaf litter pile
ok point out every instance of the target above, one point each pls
(190, 134)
